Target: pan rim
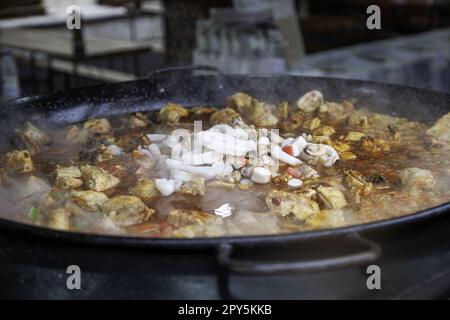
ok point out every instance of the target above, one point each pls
(212, 242)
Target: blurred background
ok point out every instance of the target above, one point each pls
(123, 40)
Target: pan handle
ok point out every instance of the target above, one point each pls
(371, 253)
(190, 68)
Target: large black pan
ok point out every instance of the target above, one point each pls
(44, 253)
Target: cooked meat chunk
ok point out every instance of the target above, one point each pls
(202, 111)
(32, 137)
(333, 111)
(98, 179)
(68, 177)
(286, 204)
(59, 219)
(194, 187)
(88, 200)
(68, 182)
(145, 189)
(311, 124)
(439, 133)
(252, 110)
(179, 217)
(138, 120)
(126, 210)
(331, 198)
(357, 120)
(98, 126)
(415, 180)
(72, 171)
(354, 136)
(172, 113)
(374, 145)
(225, 116)
(355, 180)
(324, 131)
(77, 135)
(326, 219)
(282, 111)
(310, 101)
(19, 161)
(294, 122)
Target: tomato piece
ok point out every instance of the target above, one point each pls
(289, 150)
(295, 173)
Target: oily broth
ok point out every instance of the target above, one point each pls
(251, 215)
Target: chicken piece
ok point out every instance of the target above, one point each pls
(98, 126)
(324, 131)
(145, 189)
(19, 161)
(357, 120)
(68, 177)
(126, 210)
(439, 133)
(32, 137)
(310, 101)
(286, 204)
(181, 217)
(72, 171)
(77, 135)
(202, 111)
(172, 113)
(88, 200)
(354, 136)
(355, 180)
(59, 219)
(98, 179)
(311, 124)
(294, 122)
(34, 134)
(104, 154)
(326, 219)
(374, 145)
(138, 120)
(68, 182)
(252, 110)
(331, 198)
(333, 111)
(194, 187)
(225, 116)
(282, 111)
(416, 180)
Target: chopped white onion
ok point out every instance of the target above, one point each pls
(295, 183)
(279, 154)
(155, 137)
(165, 187)
(224, 210)
(115, 150)
(260, 175)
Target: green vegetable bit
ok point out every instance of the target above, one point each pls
(33, 213)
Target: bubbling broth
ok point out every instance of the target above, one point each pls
(246, 168)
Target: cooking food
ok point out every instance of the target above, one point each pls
(249, 168)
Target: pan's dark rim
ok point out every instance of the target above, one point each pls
(36, 98)
(202, 243)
